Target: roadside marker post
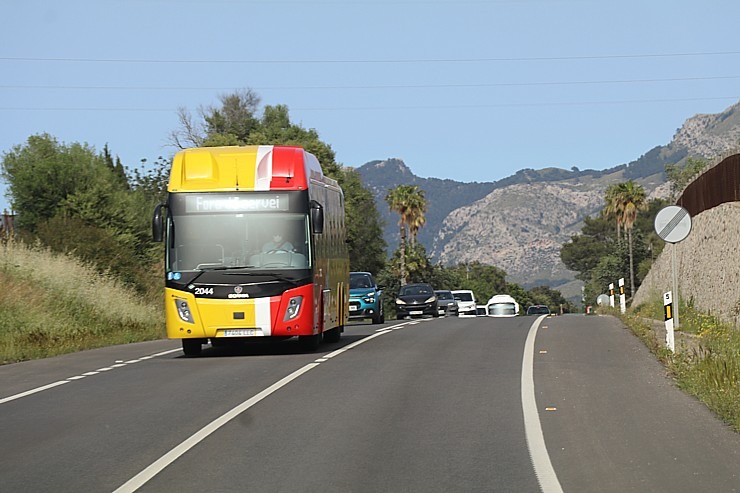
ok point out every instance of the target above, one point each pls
(622, 297)
(611, 295)
(670, 340)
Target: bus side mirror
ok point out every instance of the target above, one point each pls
(317, 218)
(158, 224)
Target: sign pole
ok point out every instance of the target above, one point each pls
(622, 296)
(675, 285)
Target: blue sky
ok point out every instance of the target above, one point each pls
(466, 90)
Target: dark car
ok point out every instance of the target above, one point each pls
(446, 303)
(538, 310)
(365, 298)
(416, 300)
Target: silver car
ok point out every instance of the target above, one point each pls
(446, 303)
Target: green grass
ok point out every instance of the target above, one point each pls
(53, 304)
(709, 368)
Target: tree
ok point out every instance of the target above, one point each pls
(613, 207)
(484, 280)
(680, 176)
(409, 202)
(632, 199)
(43, 174)
(364, 227)
(74, 200)
(583, 251)
(417, 209)
(229, 124)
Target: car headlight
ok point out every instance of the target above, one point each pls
(399, 301)
(431, 299)
(369, 299)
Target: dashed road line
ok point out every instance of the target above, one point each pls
(118, 364)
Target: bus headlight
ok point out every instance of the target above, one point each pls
(184, 311)
(294, 306)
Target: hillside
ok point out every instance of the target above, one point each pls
(519, 223)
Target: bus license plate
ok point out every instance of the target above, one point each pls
(242, 332)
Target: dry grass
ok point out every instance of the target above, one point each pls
(53, 304)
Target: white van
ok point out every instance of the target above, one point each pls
(465, 301)
(502, 305)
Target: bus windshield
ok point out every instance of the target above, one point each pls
(244, 240)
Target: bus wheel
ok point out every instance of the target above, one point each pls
(309, 343)
(191, 347)
(333, 335)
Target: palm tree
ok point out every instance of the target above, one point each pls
(632, 199)
(409, 202)
(613, 206)
(417, 207)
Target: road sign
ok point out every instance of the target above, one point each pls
(673, 223)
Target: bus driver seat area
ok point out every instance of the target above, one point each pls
(281, 258)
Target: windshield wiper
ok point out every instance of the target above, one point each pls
(229, 267)
(276, 276)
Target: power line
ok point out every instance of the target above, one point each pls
(387, 86)
(400, 107)
(370, 61)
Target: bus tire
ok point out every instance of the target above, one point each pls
(333, 335)
(309, 343)
(191, 347)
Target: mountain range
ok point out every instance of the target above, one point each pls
(519, 223)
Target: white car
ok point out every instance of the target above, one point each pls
(502, 305)
(465, 301)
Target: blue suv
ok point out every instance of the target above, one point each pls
(365, 298)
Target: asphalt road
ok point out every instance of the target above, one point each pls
(432, 406)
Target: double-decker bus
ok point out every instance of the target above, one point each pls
(228, 276)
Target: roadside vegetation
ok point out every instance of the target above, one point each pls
(52, 303)
(706, 363)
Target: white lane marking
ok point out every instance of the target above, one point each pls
(160, 464)
(533, 428)
(120, 364)
(33, 391)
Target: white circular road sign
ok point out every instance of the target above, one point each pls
(673, 223)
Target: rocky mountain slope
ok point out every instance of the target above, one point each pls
(519, 223)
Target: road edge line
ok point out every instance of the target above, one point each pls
(533, 428)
